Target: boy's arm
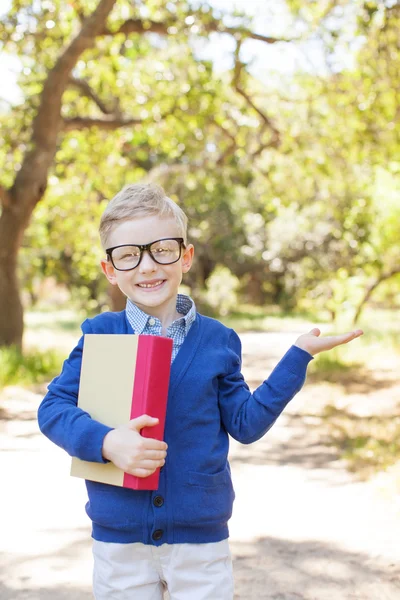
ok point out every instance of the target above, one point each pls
(62, 421)
(246, 416)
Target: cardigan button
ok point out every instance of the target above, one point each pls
(157, 535)
(158, 501)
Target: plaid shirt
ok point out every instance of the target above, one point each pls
(146, 324)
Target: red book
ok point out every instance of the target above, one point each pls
(123, 377)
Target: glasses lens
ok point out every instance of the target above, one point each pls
(165, 251)
(126, 257)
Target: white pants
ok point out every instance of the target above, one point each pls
(183, 571)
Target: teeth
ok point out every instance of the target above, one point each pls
(149, 285)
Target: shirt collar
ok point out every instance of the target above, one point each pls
(138, 319)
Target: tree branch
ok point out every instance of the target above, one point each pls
(107, 124)
(261, 145)
(231, 147)
(31, 180)
(246, 33)
(238, 68)
(112, 120)
(163, 28)
(87, 91)
(371, 288)
(54, 87)
(225, 131)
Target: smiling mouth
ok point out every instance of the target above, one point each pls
(147, 286)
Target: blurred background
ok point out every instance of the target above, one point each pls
(275, 124)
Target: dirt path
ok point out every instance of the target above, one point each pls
(303, 527)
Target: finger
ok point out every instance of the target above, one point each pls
(351, 335)
(142, 421)
(155, 455)
(149, 465)
(315, 331)
(152, 444)
(141, 472)
(345, 338)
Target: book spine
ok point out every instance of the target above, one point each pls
(150, 394)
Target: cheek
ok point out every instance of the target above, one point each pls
(124, 281)
(173, 271)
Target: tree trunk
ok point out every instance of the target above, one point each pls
(11, 311)
(30, 182)
(254, 288)
(371, 289)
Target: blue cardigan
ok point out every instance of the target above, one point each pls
(208, 399)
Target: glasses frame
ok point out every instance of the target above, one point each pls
(143, 248)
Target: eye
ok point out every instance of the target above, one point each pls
(126, 254)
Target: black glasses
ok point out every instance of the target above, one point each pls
(128, 256)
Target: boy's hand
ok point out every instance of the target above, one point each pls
(131, 452)
(312, 343)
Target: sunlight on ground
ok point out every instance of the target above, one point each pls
(45, 330)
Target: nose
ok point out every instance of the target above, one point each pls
(147, 264)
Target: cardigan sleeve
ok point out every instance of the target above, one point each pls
(62, 421)
(248, 416)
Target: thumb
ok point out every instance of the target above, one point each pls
(142, 421)
(315, 331)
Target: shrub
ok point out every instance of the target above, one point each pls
(33, 366)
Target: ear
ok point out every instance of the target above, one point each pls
(187, 258)
(109, 271)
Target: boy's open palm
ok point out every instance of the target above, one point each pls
(313, 344)
(134, 454)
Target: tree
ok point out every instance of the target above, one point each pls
(57, 36)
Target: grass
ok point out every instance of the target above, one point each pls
(368, 444)
(257, 318)
(332, 367)
(56, 320)
(34, 366)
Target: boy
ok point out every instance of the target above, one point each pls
(176, 537)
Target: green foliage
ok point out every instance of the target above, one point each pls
(185, 120)
(221, 290)
(308, 225)
(381, 330)
(34, 366)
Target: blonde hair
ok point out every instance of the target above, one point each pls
(140, 200)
